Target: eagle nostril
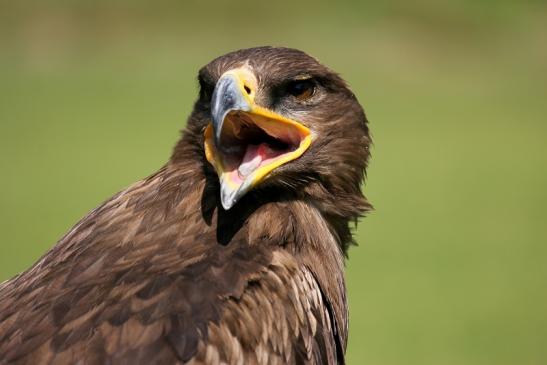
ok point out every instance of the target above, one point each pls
(247, 89)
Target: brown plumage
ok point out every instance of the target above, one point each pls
(162, 274)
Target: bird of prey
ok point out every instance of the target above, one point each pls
(231, 253)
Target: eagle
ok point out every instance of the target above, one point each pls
(233, 252)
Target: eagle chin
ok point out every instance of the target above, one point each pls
(231, 253)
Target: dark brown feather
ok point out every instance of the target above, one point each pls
(160, 273)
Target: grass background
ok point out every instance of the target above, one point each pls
(451, 267)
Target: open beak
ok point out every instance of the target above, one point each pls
(246, 142)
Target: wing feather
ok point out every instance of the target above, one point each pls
(144, 279)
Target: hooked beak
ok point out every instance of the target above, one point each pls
(245, 142)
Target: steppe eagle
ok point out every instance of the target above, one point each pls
(232, 252)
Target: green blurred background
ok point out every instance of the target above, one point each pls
(451, 267)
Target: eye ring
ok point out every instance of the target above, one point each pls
(301, 89)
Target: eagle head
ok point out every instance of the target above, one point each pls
(277, 122)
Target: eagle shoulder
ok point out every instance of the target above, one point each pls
(143, 279)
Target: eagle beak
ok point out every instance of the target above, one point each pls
(245, 142)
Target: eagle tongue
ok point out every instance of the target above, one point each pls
(252, 159)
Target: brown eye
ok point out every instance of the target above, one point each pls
(301, 89)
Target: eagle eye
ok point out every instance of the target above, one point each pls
(301, 89)
(205, 89)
